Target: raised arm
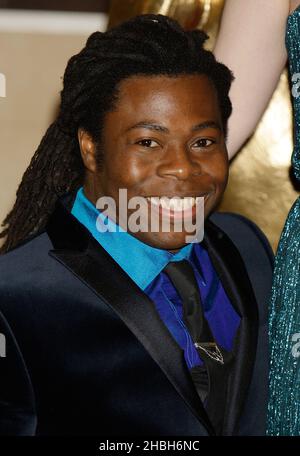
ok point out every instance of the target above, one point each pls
(251, 42)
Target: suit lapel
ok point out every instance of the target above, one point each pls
(75, 248)
(234, 278)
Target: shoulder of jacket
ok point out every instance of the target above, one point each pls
(242, 230)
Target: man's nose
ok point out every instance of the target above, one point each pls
(179, 164)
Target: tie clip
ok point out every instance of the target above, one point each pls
(212, 350)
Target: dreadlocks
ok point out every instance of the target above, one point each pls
(145, 45)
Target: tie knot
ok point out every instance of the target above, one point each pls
(182, 276)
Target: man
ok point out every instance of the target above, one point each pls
(134, 331)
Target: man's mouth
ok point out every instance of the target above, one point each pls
(177, 207)
(175, 204)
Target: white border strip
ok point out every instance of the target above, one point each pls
(51, 22)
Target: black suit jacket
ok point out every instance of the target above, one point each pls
(86, 352)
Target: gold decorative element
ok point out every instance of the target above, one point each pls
(189, 13)
(205, 14)
(165, 7)
(259, 185)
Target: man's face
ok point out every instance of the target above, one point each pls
(164, 139)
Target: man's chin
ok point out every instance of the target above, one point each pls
(169, 241)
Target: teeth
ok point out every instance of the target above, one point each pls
(199, 199)
(154, 200)
(175, 203)
(179, 204)
(188, 202)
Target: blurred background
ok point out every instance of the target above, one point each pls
(38, 37)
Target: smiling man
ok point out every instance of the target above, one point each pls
(168, 142)
(120, 328)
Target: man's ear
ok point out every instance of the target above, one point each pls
(88, 150)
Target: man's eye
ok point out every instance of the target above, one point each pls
(147, 143)
(202, 143)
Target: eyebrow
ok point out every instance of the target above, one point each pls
(156, 127)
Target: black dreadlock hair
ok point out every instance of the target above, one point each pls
(145, 45)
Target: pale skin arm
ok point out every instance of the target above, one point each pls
(251, 42)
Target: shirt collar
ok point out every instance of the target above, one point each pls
(139, 260)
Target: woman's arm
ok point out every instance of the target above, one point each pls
(251, 42)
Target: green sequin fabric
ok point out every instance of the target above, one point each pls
(284, 403)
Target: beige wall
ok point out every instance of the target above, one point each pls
(33, 64)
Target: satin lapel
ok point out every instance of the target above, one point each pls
(234, 278)
(103, 276)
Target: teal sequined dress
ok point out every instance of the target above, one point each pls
(284, 404)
